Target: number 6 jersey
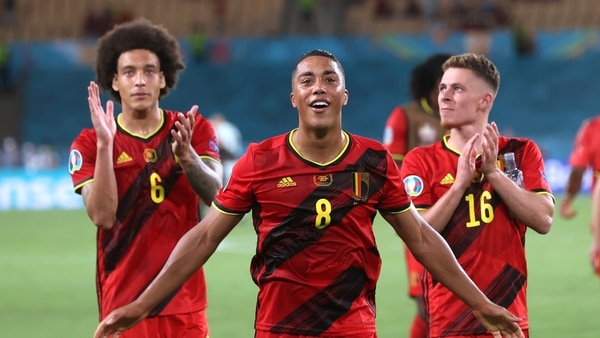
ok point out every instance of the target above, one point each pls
(156, 206)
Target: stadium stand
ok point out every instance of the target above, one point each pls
(64, 19)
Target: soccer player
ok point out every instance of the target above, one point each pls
(141, 175)
(314, 193)
(585, 154)
(459, 188)
(595, 224)
(414, 124)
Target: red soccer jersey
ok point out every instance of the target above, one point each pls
(586, 149)
(156, 207)
(316, 262)
(488, 243)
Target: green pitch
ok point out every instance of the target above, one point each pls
(47, 290)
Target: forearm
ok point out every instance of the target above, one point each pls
(574, 183)
(204, 176)
(190, 253)
(437, 258)
(440, 213)
(101, 196)
(533, 209)
(595, 221)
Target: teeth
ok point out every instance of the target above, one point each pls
(320, 104)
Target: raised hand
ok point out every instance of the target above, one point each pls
(467, 169)
(489, 151)
(182, 133)
(104, 122)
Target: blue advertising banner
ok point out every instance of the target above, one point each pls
(38, 190)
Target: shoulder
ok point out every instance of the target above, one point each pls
(269, 143)
(87, 134)
(366, 141)
(524, 143)
(591, 122)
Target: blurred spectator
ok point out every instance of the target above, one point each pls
(199, 42)
(220, 11)
(230, 142)
(333, 15)
(5, 53)
(413, 8)
(97, 23)
(383, 9)
(28, 156)
(479, 15)
(219, 50)
(9, 12)
(523, 39)
(10, 156)
(40, 157)
(430, 10)
(477, 18)
(308, 19)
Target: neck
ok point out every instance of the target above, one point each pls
(319, 147)
(141, 122)
(460, 136)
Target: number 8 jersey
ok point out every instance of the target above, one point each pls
(316, 262)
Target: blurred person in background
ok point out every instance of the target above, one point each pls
(5, 54)
(584, 154)
(230, 142)
(595, 224)
(417, 123)
(459, 187)
(314, 193)
(140, 175)
(10, 155)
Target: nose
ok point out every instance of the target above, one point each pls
(319, 86)
(140, 80)
(443, 96)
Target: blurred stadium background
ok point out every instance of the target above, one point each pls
(239, 55)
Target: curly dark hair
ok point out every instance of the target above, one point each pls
(426, 76)
(138, 34)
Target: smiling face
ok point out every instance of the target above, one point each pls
(319, 92)
(138, 80)
(464, 98)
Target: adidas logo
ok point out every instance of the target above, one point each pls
(124, 157)
(448, 179)
(286, 182)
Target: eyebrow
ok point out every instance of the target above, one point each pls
(311, 73)
(148, 65)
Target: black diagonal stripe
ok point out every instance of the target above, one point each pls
(318, 314)
(506, 286)
(116, 246)
(295, 232)
(457, 234)
(502, 291)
